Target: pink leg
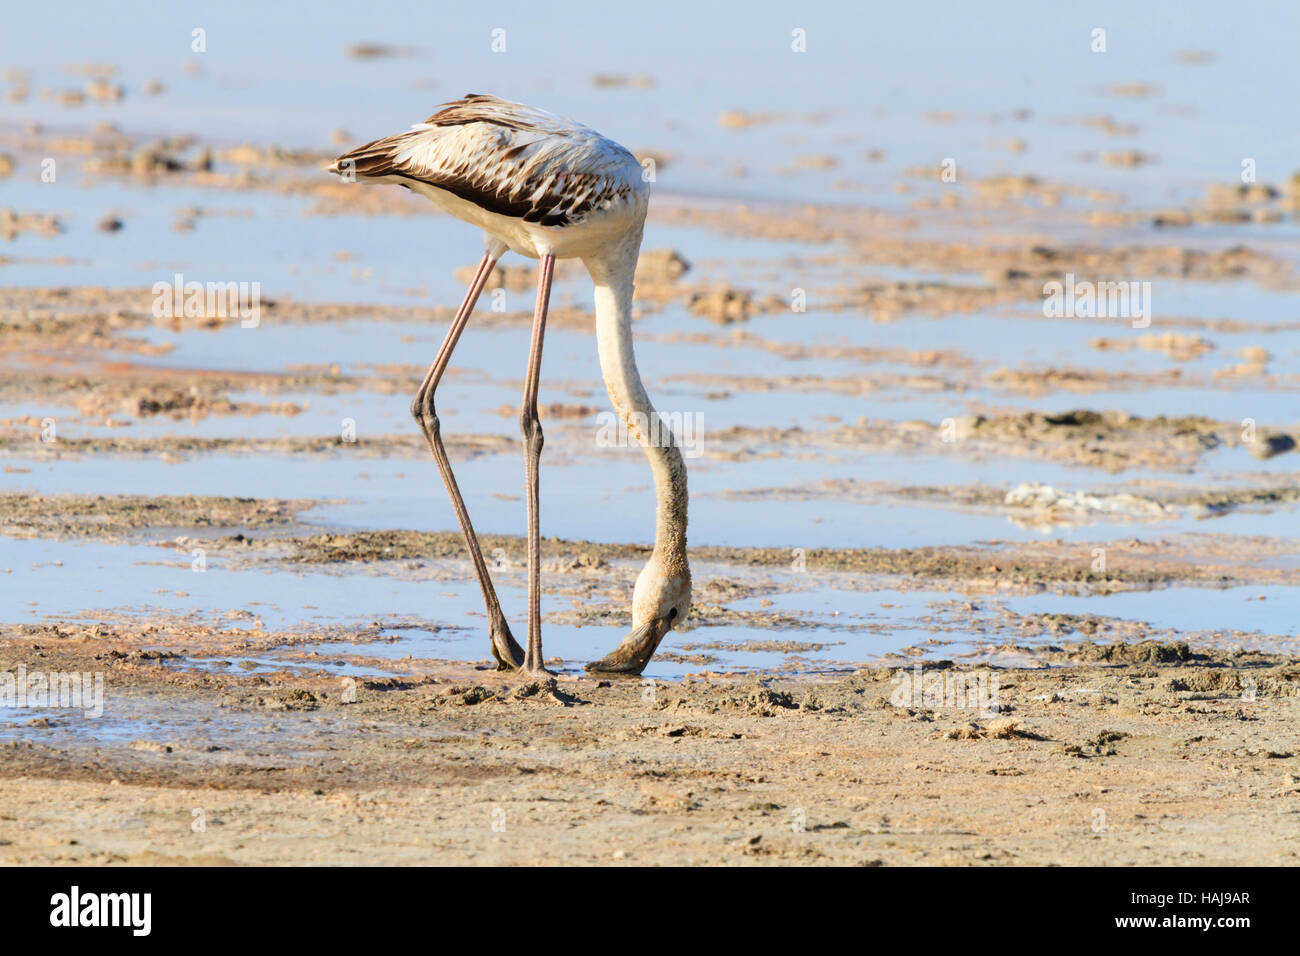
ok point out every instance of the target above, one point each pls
(507, 652)
(531, 427)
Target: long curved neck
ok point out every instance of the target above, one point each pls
(612, 274)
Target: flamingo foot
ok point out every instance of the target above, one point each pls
(506, 650)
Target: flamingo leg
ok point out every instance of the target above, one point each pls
(530, 426)
(504, 648)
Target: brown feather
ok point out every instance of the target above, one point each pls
(512, 164)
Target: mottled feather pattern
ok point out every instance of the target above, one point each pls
(507, 158)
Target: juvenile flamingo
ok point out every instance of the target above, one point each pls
(547, 188)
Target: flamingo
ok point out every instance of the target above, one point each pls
(547, 188)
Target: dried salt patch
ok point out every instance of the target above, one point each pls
(1042, 497)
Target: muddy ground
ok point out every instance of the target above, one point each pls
(1137, 754)
(908, 468)
(1088, 739)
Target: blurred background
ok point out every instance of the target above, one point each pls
(796, 147)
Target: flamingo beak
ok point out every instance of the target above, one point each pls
(631, 657)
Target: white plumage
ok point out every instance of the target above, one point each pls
(548, 188)
(522, 174)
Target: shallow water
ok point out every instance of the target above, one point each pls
(878, 80)
(860, 626)
(896, 73)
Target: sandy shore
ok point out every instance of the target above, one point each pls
(911, 452)
(1096, 754)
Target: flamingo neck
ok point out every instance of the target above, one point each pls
(613, 277)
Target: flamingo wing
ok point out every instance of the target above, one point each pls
(504, 157)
